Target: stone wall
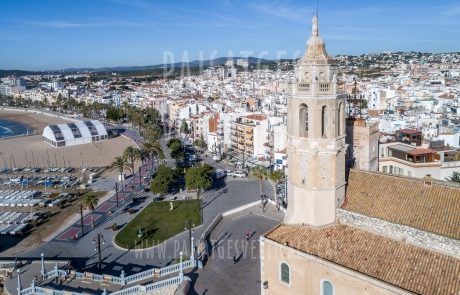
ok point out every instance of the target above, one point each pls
(411, 235)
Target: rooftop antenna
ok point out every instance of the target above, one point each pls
(317, 7)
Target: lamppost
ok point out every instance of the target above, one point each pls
(81, 221)
(98, 248)
(116, 192)
(188, 225)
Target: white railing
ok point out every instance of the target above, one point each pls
(163, 284)
(169, 269)
(116, 280)
(79, 275)
(128, 291)
(140, 276)
(97, 278)
(40, 290)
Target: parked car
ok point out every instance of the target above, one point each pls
(216, 157)
(239, 174)
(229, 172)
(218, 174)
(180, 180)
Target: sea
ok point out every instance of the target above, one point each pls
(10, 128)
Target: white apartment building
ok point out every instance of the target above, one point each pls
(9, 86)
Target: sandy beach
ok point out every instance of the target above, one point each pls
(17, 151)
(35, 121)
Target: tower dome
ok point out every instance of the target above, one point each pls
(316, 48)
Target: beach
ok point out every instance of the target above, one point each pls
(36, 121)
(33, 151)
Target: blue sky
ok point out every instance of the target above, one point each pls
(52, 35)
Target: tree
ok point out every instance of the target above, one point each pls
(176, 149)
(198, 142)
(153, 148)
(184, 127)
(112, 115)
(162, 180)
(120, 164)
(275, 176)
(454, 178)
(132, 154)
(260, 173)
(198, 179)
(90, 202)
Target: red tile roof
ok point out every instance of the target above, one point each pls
(405, 201)
(420, 151)
(255, 117)
(403, 265)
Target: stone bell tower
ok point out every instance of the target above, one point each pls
(316, 146)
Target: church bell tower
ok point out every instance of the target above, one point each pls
(316, 138)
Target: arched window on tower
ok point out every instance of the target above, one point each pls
(303, 120)
(323, 121)
(339, 120)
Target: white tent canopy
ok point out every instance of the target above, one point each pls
(74, 133)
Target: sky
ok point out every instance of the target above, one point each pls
(55, 35)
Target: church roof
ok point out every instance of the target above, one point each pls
(406, 201)
(403, 265)
(316, 48)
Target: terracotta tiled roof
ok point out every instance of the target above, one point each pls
(405, 201)
(400, 264)
(255, 117)
(420, 151)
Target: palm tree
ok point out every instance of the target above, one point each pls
(142, 155)
(120, 164)
(90, 202)
(260, 173)
(131, 153)
(152, 148)
(275, 176)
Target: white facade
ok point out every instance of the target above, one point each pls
(74, 133)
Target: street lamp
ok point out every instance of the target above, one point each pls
(98, 248)
(188, 225)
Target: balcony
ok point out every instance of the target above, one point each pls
(248, 124)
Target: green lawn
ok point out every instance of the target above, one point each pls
(160, 221)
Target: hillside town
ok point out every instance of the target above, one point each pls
(413, 96)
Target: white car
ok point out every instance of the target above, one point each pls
(239, 174)
(229, 172)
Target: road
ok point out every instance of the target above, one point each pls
(225, 194)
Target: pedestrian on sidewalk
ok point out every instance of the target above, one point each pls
(247, 236)
(234, 259)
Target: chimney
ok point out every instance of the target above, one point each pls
(428, 180)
